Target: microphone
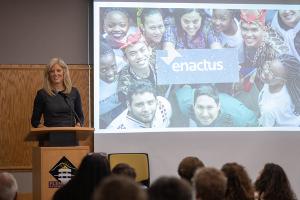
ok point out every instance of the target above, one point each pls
(69, 103)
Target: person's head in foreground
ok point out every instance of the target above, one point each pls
(119, 188)
(188, 166)
(239, 184)
(209, 184)
(273, 183)
(8, 186)
(170, 188)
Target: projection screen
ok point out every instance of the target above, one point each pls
(161, 67)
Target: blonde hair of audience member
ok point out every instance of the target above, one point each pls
(210, 184)
(124, 169)
(170, 188)
(239, 185)
(188, 166)
(67, 83)
(119, 188)
(8, 186)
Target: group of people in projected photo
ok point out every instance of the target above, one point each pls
(266, 95)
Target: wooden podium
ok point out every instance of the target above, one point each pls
(54, 165)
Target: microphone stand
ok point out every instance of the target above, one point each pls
(66, 98)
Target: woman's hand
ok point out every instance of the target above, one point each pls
(41, 126)
(77, 124)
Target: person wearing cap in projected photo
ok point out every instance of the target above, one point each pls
(110, 106)
(279, 98)
(137, 53)
(144, 109)
(261, 43)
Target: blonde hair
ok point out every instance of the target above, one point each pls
(67, 80)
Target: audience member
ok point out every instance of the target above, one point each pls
(124, 170)
(8, 186)
(170, 188)
(119, 188)
(92, 170)
(188, 166)
(273, 184)
(210, 184)
(239, 186)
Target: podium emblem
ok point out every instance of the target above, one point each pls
(63, 171)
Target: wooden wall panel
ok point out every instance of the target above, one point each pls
(18, 87)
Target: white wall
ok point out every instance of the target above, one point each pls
(251, 149)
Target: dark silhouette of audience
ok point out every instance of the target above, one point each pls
(239, 184)
(273, 184)
(119, 188)
(95, 181)
(170, 188)
(92, 170)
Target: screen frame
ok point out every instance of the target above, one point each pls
(96, 38)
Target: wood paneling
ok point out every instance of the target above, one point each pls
(24, 196)
(18, 87)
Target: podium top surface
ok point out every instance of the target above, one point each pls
(81, 132)
(61, 129)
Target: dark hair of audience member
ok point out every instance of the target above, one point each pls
(93, 169)
(119, 188)
(188, 166)
(210, 184)
(125, 170)
(273, 184)
(239, 184)
(170, 188)
(8, 186)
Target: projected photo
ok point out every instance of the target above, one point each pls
(161, 66)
